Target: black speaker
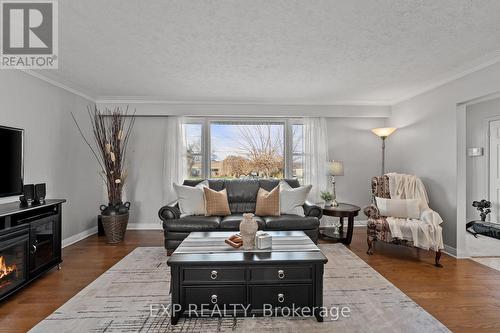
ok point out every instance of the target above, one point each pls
(40, 192)
(28, 195)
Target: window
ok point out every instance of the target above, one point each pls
(298, 152)
(247, 150)
(260, 148)
(194, 151)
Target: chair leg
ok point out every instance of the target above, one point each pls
(438, 257)
(370, 245)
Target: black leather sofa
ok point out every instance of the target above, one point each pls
(242, 195)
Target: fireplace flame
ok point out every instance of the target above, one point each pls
(4, 269)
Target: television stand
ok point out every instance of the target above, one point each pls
(30, 243)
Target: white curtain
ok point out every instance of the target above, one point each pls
(174, 157)
(315, 156)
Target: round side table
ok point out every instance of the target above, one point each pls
(342, 211)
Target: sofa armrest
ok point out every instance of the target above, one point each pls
(169, 212)
(371, 212)
(312, 210)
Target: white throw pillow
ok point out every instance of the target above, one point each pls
(403, 208)
(191, 198)
(292, 199)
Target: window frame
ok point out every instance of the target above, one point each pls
(206, 149)
(291, 154)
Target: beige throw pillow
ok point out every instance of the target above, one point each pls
(268, 203)
(402, 208)
(216, 203)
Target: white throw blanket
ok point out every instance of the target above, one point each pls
(426, 232)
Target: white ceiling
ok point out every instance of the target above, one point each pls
(270, 51)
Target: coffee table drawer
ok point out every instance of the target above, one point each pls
(207, 275)
(215, 295)
(298, 295)
(281, 273)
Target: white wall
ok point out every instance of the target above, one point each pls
(54, 152)
(350, 141)
(144, 187)
(426, 142)
(478, 116)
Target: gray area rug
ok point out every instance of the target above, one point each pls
(121, 299)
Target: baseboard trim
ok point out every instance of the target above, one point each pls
(144, 226)
(360, 223)
(451, 251)
(78, 237)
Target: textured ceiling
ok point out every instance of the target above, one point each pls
(269, 51)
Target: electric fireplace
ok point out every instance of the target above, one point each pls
(30, 243)
(13, 258)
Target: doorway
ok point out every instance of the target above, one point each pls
(482, 159)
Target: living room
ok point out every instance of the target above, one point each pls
(217, 166)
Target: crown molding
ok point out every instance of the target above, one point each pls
(60, 85)
(493, 59)
(164, 100)
(481, 99)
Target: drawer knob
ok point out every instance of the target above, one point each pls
(213, 275)
(213, 299)
(281, 274)
(281, 298)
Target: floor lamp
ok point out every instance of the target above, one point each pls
(383, 133)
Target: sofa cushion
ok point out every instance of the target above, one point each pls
(291, 222)
(214, 184)
(232, 222)
(270, 184)
(193, 223)
(242, 194)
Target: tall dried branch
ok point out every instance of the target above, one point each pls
(111, 130)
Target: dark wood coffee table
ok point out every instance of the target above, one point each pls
(341, 211)
(208, 274)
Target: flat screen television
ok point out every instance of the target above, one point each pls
(11, 161)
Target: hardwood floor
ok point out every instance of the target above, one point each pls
(464, 295)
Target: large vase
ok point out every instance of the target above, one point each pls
(248, 229)
(115, 221)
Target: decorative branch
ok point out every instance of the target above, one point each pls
(111, 131)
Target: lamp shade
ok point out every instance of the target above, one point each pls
(383, 132)
(335, 168)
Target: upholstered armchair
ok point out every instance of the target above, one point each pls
(377, 226)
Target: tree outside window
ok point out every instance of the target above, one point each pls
(244, 149)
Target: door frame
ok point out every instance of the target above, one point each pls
(487, 155)
(461, 108)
